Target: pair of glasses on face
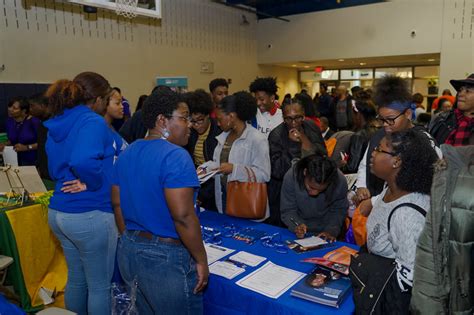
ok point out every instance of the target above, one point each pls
(379, 150)
(389, 121)
(467, 89)
(296, 119)
(183, 118)
(198, 122)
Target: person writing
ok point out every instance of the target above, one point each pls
(313, 198)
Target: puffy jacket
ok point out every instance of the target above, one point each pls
(444, 268)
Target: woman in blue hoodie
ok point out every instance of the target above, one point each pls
(80, 160)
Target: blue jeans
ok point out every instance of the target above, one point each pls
(89, 241)
(165, 274)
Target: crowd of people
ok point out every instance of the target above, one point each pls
(126, 187)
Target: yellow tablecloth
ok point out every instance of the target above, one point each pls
(41, 256)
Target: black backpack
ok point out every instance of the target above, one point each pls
(374, 280)
(442, 126)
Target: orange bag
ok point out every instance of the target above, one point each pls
(358, 227)
(330, 145)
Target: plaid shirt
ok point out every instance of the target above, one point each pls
(460, 136)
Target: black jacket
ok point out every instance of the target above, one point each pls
(333, 113)
(133, 128)
(206, 193)
(358, 144)
(283, 152)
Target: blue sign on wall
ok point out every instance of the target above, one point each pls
(172, 81)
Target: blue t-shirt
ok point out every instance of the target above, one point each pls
(119, 144)
(142, 172)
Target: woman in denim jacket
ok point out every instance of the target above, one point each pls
(239, 146)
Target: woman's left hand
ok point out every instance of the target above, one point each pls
(226, 168)
(326, 236)
(73, 186)
(20, 147)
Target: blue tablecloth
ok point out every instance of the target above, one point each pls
(223, 296)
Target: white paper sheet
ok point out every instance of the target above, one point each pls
(271, 280)
(225, 269)
(10, 157)
(215, 252)
(206, 176)
(247, 258)
(311, 241)
(20, 177)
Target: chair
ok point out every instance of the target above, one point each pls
(5, 261)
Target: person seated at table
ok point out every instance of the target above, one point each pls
(22, 131)
(239, 146)
(405, 161)
(202, 141)
(313, 198)
(80, 160)
(161, 251)
(291, 140)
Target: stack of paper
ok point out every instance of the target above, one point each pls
(271, 280)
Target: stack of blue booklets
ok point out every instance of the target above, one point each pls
(323, 286)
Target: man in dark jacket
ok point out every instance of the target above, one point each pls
(456, 127)
(290, 141)
(202, 141)
(341, 110)
(324, 101)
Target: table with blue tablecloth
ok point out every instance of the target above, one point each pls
(223, 296)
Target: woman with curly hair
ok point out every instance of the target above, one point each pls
(405, 161)
(202, 140)
(239, 146)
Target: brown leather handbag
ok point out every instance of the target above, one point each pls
(247, 200)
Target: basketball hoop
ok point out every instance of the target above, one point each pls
(126, 8)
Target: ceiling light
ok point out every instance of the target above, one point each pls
(293, 65)
(431, 59)
(362, 63)
(306, 67)
(340, 60)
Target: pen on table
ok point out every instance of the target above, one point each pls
(235, 263)
(217, 247)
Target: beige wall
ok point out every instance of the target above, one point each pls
(457, 45)
(381, 29)
(55, 40)
(287, 79)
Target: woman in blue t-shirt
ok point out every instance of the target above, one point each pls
(80, 161)
(114, 110)
(155, 187)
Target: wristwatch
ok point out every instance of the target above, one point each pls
(30, 147)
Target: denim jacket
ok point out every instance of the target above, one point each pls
(250, 150)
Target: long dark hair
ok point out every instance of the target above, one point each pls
(416, 151)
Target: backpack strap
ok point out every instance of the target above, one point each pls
(406, 204)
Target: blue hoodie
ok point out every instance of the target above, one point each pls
(80, 146)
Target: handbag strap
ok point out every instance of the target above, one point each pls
(406, 204)
(251, 174)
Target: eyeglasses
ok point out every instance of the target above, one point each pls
(467, 89)
(198, 121)
(296, 119)
(379, 150)
(389, 121)
(185, 119)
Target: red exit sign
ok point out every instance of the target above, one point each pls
(318, 69)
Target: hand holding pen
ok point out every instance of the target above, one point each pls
(300, 229)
